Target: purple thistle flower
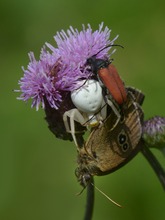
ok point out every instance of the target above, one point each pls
(59, 69)
(75, 47)
(38, 83)
(154, 132)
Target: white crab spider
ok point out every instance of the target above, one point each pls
(91, 108)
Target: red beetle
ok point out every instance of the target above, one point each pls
(109, 76)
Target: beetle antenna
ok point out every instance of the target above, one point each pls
(109, 45)
(111, 200)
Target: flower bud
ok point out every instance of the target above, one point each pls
(154, 132)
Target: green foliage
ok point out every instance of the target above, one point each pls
(37, 170)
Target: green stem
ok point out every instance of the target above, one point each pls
(160, 172)
(90, 200)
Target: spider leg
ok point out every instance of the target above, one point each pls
(103, 111)
(115, 110)
(74, 115)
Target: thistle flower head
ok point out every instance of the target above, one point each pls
(75, 47)
(59, 69)
(38, 83)
(154, 132)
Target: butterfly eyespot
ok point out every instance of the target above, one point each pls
(122, 138)
(125, 147)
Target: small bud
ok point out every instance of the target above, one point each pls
(154, 133)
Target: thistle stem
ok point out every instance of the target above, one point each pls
(160, 172)
(89, 200)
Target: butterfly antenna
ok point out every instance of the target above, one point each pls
(111, 200)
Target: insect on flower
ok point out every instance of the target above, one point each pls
(106, 150)
(109, 76)
(91, 108)
(89, 101)
(58, 72)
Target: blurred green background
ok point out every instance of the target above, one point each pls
(37, 170)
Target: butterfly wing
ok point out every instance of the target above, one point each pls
(112, 147)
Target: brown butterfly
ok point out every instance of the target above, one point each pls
(108, 147)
